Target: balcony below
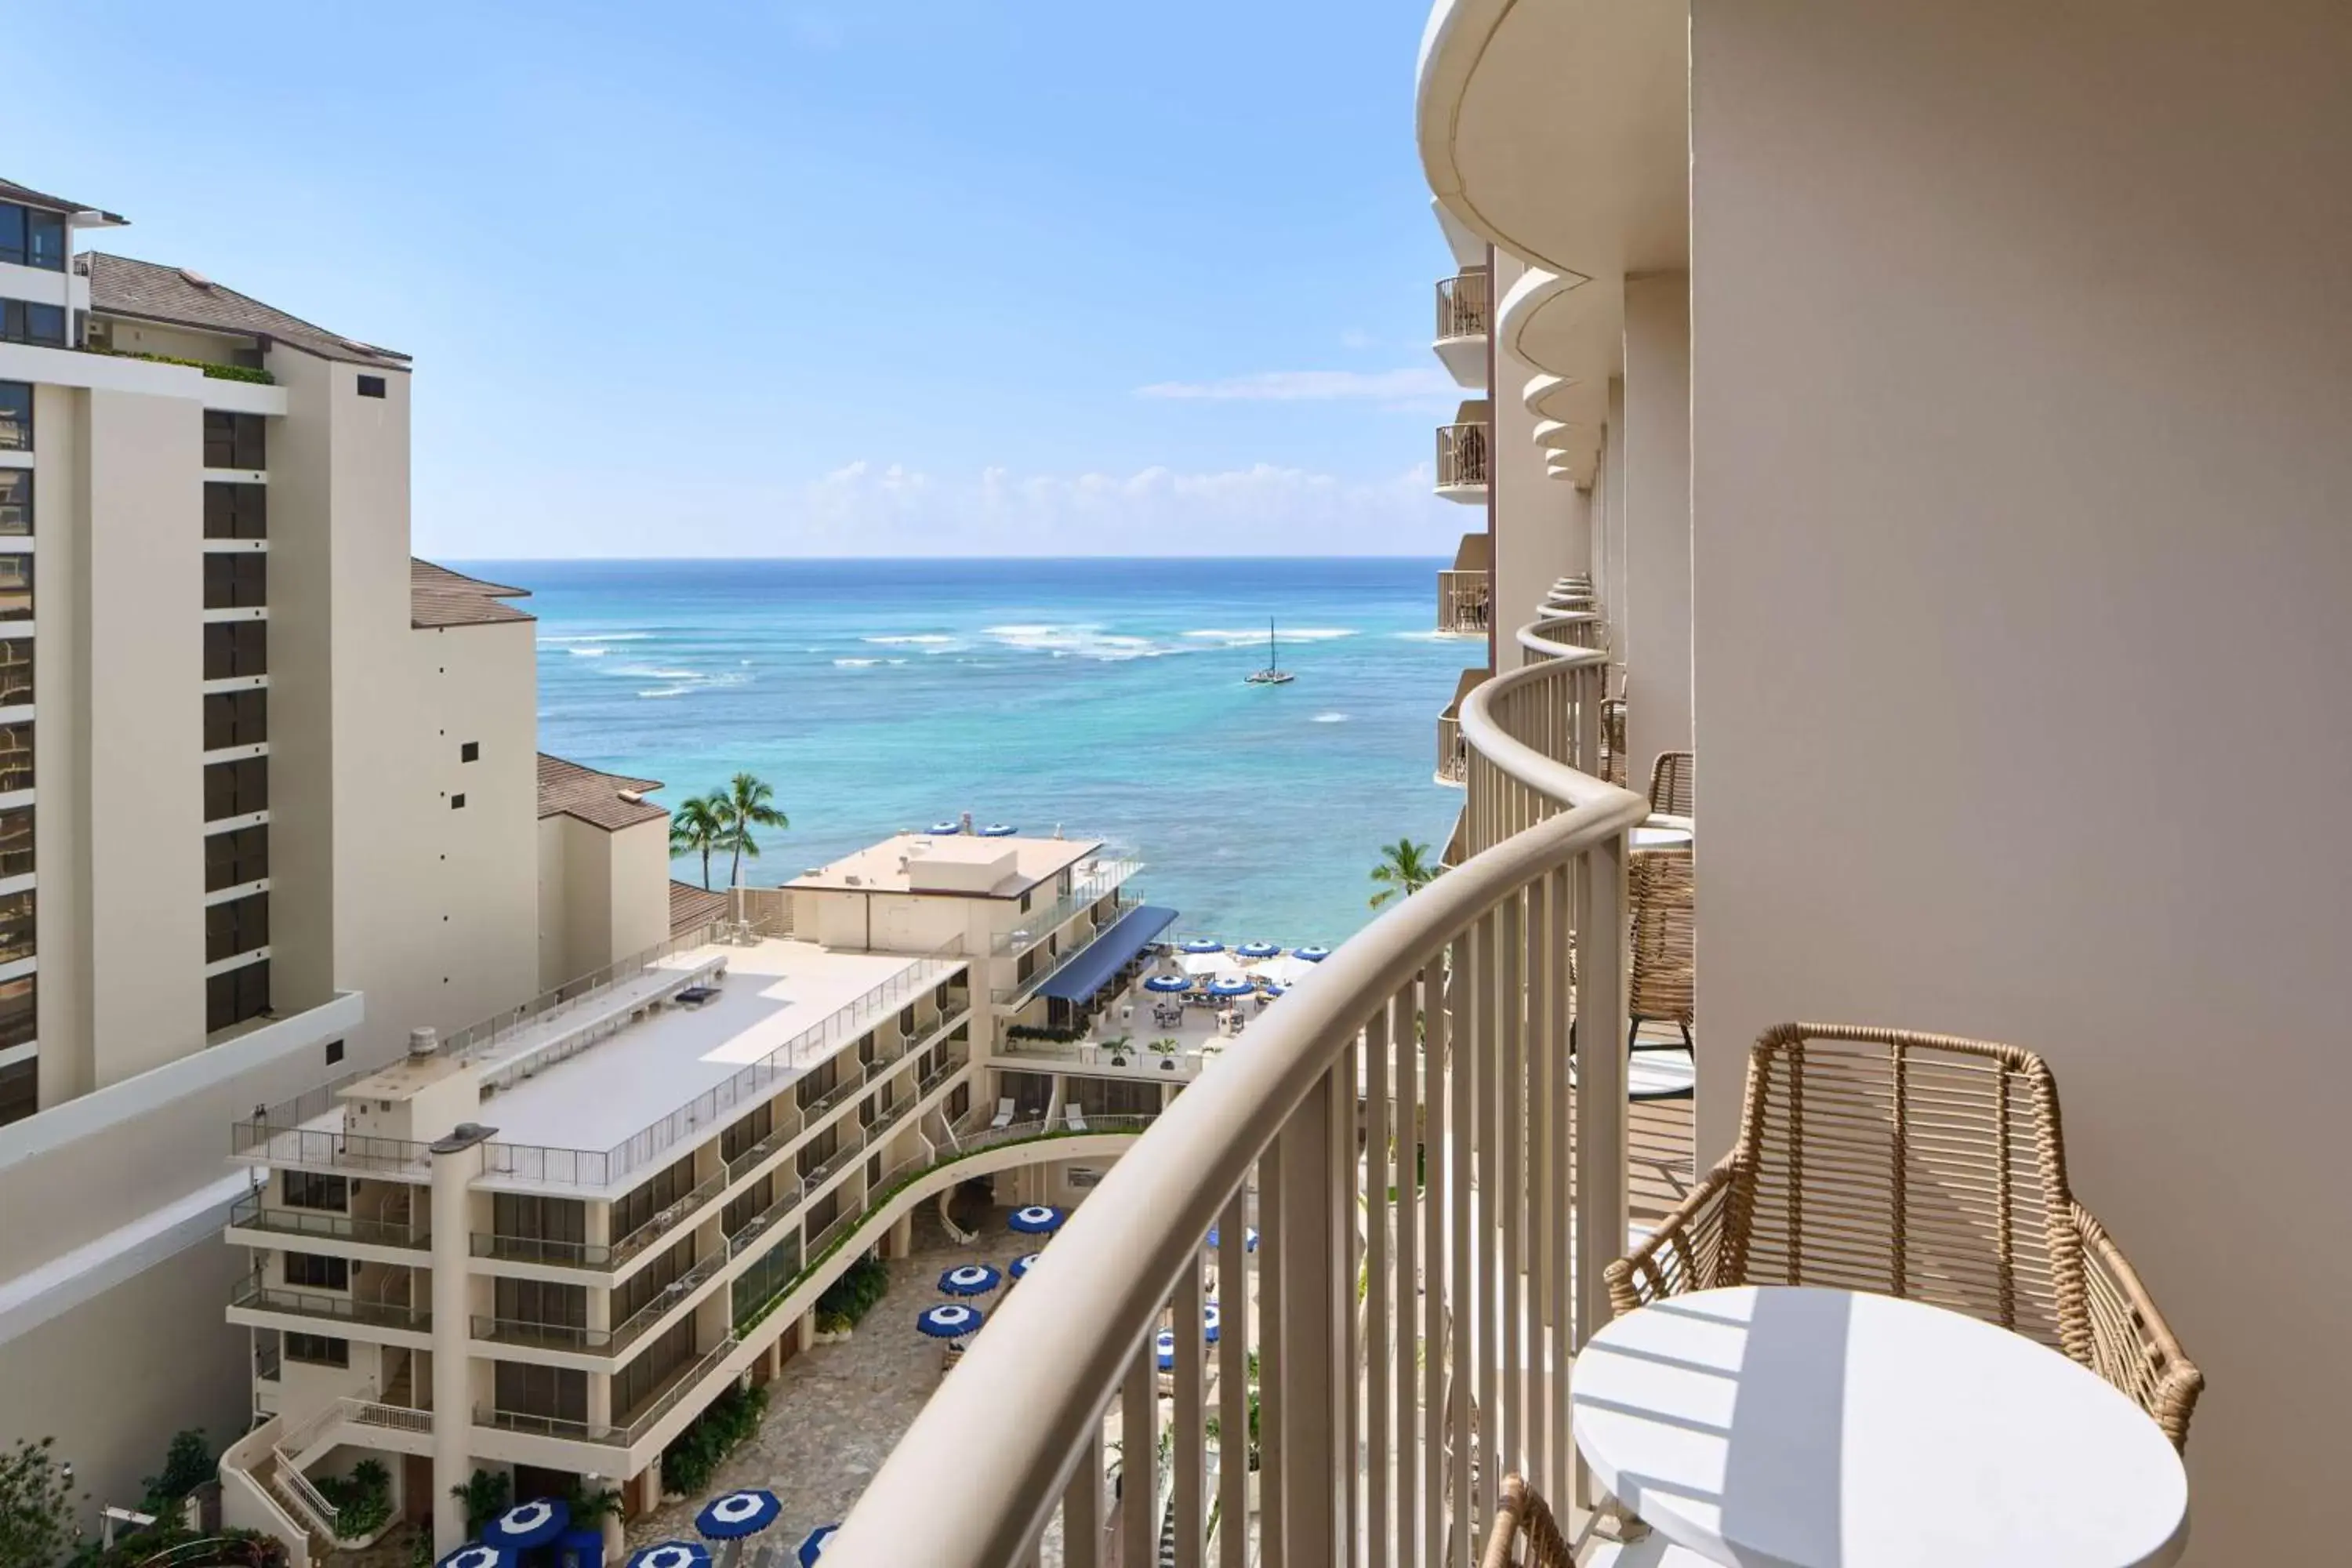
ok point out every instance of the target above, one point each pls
(1465, 456)
(1464, 314)
(1453, 754)
(1466, 591)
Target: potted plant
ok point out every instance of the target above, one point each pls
(1117, 1046)
(1167, 1046)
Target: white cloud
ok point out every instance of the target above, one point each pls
(1355, 337)
(1389, 386)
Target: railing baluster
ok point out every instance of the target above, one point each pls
(1188, 1452)
(1275, 1354)
(1082, 1503)
(1380, 1177)
(1436, 1259)
(1510, 1199)
(1354, 1198)
(1234, 1438)
(1461, 1293)
(1410, 1035)
(1138, 1459)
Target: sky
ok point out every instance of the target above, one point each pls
(841, 277)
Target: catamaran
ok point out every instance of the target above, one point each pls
(1273, 674)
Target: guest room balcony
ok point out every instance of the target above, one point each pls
(1465, 456)
(1464, 315)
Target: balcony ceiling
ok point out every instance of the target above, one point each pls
(1571, 330)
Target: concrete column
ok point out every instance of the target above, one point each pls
(1658, 445)
(1612, 579)
(456, 1160)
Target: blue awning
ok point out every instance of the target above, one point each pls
(1091, 970)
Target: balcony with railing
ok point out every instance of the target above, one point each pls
(1452, 753)
(1084, 893)
(1465, 455)
(253, 1294)
(252, 1214)
(610, 1341)
(1464, 313)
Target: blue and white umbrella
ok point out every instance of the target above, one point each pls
(1258, 950)
(1167, 984)
(999, 830)
(1026, 1262)
(1249, 1237)
(947, 829)
(528, 1524)
(949, 1322)
(1211, 1322)
(1202, 944)
(1230, 987)
(971, 1279)
(1163, 1347)
(814, 1544)
(1271, 991)
(477, 1555)
(1311, 955)
(737, 1514)
(1038, 1219)
(673, 1554)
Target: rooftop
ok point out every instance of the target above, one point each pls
(120, 286)
(690, 906)
(608, 801)
(953, 865)
(440, 597)
(24, 195)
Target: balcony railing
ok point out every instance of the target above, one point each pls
(254, 1296)
(1463, 452)
(682, 1384)
(542, 1251)
(250, 1213)
(601, 1342)
(1453, 756)
(1431, 1256)
(1464, 601)
(1462, 305)
(1038, 924)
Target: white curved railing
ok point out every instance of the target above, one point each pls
(1413, 1305)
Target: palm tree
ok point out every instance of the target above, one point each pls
(696, 827)
(749, 802)
(1404, 867)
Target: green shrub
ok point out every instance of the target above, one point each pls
(694, 1456)
(187, 1465)
(361, 1501)
(486, 1496)
(1043, 1032)
(37, 1504)
(850, 1297)
(217, 372)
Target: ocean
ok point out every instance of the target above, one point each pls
(1098, 696)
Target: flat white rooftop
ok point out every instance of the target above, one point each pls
(953, 864)
(774, 994)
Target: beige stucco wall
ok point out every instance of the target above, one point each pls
(1657, 646)
(68, 1063)
(1535, 539)
(640, 915)
(2022, 566)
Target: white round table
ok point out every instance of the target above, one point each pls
(1652, 836)
(1805, 1428)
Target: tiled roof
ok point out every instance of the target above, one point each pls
(690, 906)
(440, 597)
(24, 195)
(567, 789)
(122, 287)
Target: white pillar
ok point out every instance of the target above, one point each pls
(1658, 447)
(456, 1160)
(1612, 579)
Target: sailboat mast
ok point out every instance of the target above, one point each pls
(1273, 661)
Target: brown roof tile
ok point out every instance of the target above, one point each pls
(120, 286)
(567, 789)
(690, 906)
(440, 597)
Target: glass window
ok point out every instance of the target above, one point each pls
(19, 1091)
(30, 237)
(16, 758)
(306, 1190)
(16, 926)
(370, 386)
(16, 587)
(234, 511)
(16, 672)
(16, 501)
(22, 322)
(236, 648)
(317, 1271)
(318, 1350)
(13, 232)
(237, 788)
(553, 1393)
(234, 580)
(16, 417)
(234, 440)
(240, 925)
(233, 997)
(19, 1011)
(233, 859)
(231, 718)
(16, 842)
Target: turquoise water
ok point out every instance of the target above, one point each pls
(1104, 697)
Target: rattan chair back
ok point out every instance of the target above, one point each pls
(1672, 782)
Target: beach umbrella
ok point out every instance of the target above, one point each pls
(971, 1279)
(528, 1524)
(999, 830)
(1038, 1219)
(1270, 990)
(673, 1554)
(1311, 955)
(1026, 1262)
(477, 1555)
(1249, 1237)
(737, 1514)
(1210, 1320)
(946, 830)
(1167, 984)
(1258, 950)
(1202, 944)
(1163, 1347)
(1230, 986)
(813, 1546)
(949, 1322)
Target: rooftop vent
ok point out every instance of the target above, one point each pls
(425, 1041)
(853, 879)
(194, 278)
(635, 797)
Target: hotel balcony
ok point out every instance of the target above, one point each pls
(1464, 316)
(1465, 455)
(1465, 592)
(1453, 755)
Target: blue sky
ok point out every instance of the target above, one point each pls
(848, 278)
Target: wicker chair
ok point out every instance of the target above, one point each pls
(1921, 1166)
(1524, 1534)
(1613, 741)
(1661, 889)
(1672, 782)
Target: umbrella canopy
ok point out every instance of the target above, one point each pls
(1165, 983)
(971, 1279)
(949, 1322)
(1163, 1349)
(812, 1546)
(1026, 1262)
(528, 1524)
(1284, 971)
(947, 829)
(1249, 1237)
(477, 1556)
(673, 1554)
(1311, 955)
(1257, 949)
(1202, 944)
(999, 830)
(1211, 1321)
(1270, 990)
(1230, 986)
(1038, 1219)
(737, 1514)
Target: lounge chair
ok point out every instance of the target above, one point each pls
(1076, 1114)
(1004, 1109)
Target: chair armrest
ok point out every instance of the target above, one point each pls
(1687, 1252)
(1521, 1515)
(2131, 1344)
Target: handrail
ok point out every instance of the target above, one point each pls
(1062, 1345)
(1109, 877)
(1554, 635)
(1462, 304)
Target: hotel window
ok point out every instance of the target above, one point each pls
(231, 718)
(16, 587)
(240, 925)
(235, 648)
(236, 789)
(16, 926)
(318, 1350)
(22, 322)
(640, 1204)
(543, 1304)
(19, 1091)
(234, 511)
(550, 1393)
(233, 859)
(236, 581)
(17, 501)
(234, 440)
(745, 1132)
(236, 995)
(16, 842)
(634, 1294)
(750, 1206)
(456, 802)
(19, 1012)
(526, 1216)
(370, 386)
(317, 1271)
(30, 237)
(16, 417)
(471, 752)
(15, 672)
(306, 1190)
(636, 1384)
(16, 758)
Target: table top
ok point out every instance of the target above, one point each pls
(1654, 835)
(1833, 1429)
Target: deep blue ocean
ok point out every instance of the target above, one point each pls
(1102, 696)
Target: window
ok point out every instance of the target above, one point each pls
(22, 322)
(16, 926)
(471, 752)
(528, 1217)
(237, 789)
(316, 1271)
(235, 996)
(745, 1132)
(456, 802)
(16, 587)
(305, 1191)
(370, 386)
(550, 1392)
(16, 417)
(231, 718)
(1025, 899)
(641, 1202)
(30, 237)
(750, 1206)
(233, 859)
(236, 648)
(318, 1350)
(543, 1303)
(634, 1294)
(240, 925)
(19, 1012)
(16, 758)
(334, 1052)
(234, 511)
(16, 672)
(234, 440)
(19, 1091)
(238, 580)
(17, 501)
(16, 842)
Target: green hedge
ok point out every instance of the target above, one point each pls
(217, 372)
(361, 1501)
(694, 1456)
(850, 1298)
